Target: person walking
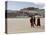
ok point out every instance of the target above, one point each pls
(34, 21)
(31, 21)
(38, 22)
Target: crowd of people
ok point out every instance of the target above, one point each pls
(33, 21)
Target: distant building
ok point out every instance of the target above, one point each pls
(34, 11)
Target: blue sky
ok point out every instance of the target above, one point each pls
(13, 5)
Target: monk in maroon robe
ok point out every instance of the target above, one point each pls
(38, 22)
(31, 21)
